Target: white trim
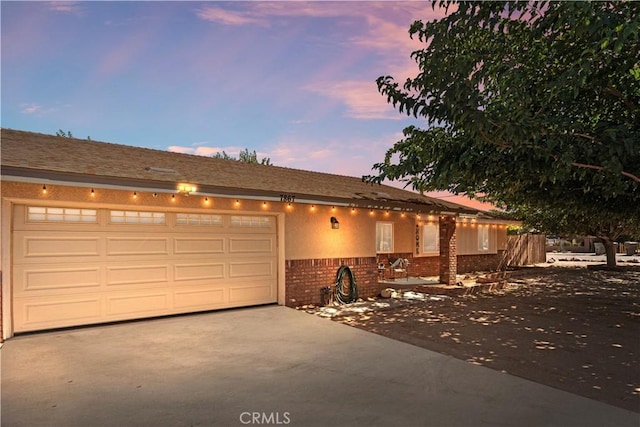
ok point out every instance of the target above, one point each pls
(280, 218)
(6, 220)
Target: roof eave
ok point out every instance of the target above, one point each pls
(12, 173)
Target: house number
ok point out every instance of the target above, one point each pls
(287, 198)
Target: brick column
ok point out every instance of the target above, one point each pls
(448, 250)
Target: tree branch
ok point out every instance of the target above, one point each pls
(626, 101)
(600, 168)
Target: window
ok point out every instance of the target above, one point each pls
(384, 237)
(483, 238)
(250, 221)
(430, 238)
(198, 219)
(135, 217)
(35, 213)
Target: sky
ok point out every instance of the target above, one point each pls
(294, 81)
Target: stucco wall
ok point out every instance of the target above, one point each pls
(309, 234)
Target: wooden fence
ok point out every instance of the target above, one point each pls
(524, 249)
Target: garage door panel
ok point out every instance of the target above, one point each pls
(137, 274)
(256, 293)
(56, 246)
(251, 269)
(132, 303)
(56, 312)
(245, 245)
(136, 246)
(200, 299)
(201, 271)
(73, 277)
(193, 245)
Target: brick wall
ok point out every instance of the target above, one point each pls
(448, 250)
(430, 265)
(484, 262)
(305, 278)
(418, 266)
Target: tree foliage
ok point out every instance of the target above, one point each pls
(533, 105)
(68, 134)
(245, 156)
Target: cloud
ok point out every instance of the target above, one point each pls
(65, 7)
(227, 17)
(31, 108)
(260, 12)
(201, 149)
(361, 99)
(198, 151)
(351, 157)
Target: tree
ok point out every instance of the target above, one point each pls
(68, 134)
(64, 134)
(245, 156)
(533, 105)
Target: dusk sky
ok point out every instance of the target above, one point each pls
(294, 81)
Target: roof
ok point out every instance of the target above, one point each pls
(48, 157)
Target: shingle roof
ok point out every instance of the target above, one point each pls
(43, 156)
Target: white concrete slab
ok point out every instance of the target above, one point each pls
(271, 365)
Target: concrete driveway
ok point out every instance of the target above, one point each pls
(267, 365)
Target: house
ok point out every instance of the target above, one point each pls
(96, 232)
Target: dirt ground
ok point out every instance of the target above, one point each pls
(570, 328)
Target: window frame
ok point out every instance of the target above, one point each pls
(157, 218)
(61, 215)
(197, 219)
(250, 221)
(423, 238)
(484, 243)
(380, 236)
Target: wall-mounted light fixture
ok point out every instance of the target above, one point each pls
(335, 224)
(44, 189)
(93, 193)
(186, 189)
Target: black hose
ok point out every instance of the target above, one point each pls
(344, 293)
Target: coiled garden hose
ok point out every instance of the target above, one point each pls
(346, 293)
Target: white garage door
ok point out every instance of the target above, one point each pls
(81, 266)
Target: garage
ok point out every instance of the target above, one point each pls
(76, 265)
